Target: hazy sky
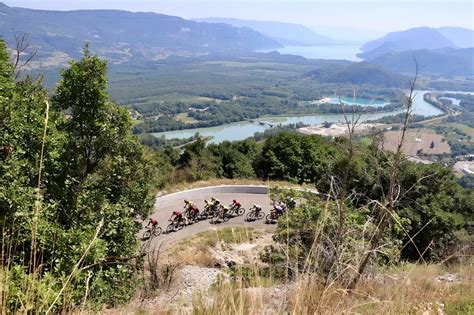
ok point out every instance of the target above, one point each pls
(343, 18)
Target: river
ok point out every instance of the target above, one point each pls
(245, 129)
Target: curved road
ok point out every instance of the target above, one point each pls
(247, 195)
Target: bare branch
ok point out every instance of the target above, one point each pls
(22, 47)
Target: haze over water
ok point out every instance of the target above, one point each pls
(335, 52)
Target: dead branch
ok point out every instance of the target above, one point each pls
(22, 47)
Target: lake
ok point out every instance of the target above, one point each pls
(245, 129)
(339, 52)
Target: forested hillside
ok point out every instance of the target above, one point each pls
(448, 62)
(60, 35)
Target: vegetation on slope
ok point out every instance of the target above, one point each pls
(114, 34)
(73, 190)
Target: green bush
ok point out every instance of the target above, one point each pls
(75, 226)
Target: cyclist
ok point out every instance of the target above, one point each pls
(191, 208)
(235, 204)
(280, 208)
(208, 203)
(257, 208)
(188, 204)
(215, 203)
(178, 216)
(207, 208)
(153, 223)
(291, 203)
(224, 210)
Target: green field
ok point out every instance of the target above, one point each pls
(183, 117)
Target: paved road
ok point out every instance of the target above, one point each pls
(164, 207)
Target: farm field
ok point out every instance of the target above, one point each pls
(183, 117)
(418, 141)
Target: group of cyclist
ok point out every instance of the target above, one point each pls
(217, 211)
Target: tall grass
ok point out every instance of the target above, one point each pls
(409, 289)
(29, 289)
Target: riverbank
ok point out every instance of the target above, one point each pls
(243, 130)
(432, 98)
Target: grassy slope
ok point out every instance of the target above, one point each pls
(404, 289)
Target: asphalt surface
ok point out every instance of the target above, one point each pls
(165, 206)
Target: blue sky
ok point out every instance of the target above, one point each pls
(355, 19)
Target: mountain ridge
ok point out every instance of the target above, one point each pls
(411, 39)
(447, 61)
(122, 35)
(418, 38)
(285, 33)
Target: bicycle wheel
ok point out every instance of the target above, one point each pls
(260, 215)
(240, 212)
(157, 231)
(250, 216)
(200, 216)
(180, 225)
(146, 235)
(170, 228)
(269, 218)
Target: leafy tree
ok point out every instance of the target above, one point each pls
(104, 175)
(197, 161)
(297, 158)
(467, 181)
(235, 159)
(437, 207)
(78, 231)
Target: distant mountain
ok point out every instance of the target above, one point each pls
(419, 38)
(121, 36)
(284, 33)
(359, 73)
(461, 37)
(412, 39)
(447, 61)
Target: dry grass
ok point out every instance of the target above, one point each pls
(196, 250)
(417, 139)
(414, 289)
